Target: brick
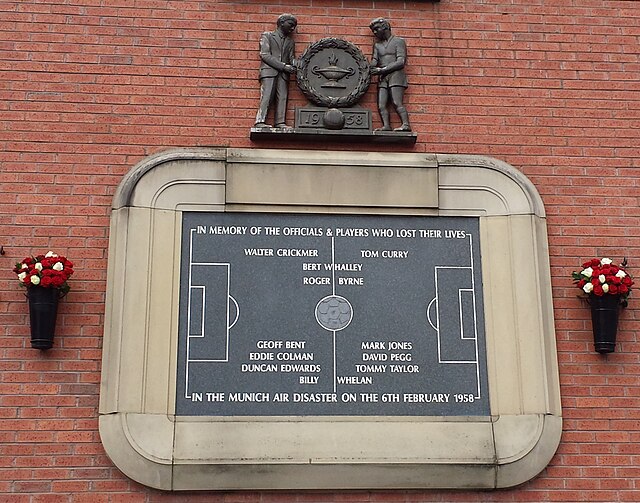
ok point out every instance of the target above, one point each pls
(32, 486)
(87, 497)
(547, 86)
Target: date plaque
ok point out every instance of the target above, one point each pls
(355, 118)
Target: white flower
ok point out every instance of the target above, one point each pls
(587, 272)
(606, 261)
(35, 280)
(588, 288)
(621, 274)
(24, 266)
(58, 266)
(21, 276)
(50, 254)
(38, 266)
(605, 288)
(602, 278)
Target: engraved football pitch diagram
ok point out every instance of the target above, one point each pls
(383, 327)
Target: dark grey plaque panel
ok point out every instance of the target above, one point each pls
(285, 314)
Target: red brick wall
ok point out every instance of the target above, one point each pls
(88, 88)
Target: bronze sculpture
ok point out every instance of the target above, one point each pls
(277, 52)
(333, 75)
(388, 60)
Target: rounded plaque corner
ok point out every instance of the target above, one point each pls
(518, 196)
(124, 192)
(140, 446)
(525, 445)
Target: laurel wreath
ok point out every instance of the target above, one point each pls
(330, 101)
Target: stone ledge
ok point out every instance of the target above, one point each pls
(324, 135)
(185, 455)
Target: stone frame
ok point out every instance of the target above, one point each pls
(137, 424)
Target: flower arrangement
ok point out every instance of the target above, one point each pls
(48, 271)
(603, 277)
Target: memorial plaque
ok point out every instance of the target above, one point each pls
(318, 315)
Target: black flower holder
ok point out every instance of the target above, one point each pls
(606, 287)
(43, 313)
(45, 279)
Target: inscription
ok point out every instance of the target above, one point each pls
(330, 315)
(315, 118)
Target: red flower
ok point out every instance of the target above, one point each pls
(605, 275)
(57, 281)
(47, 275)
